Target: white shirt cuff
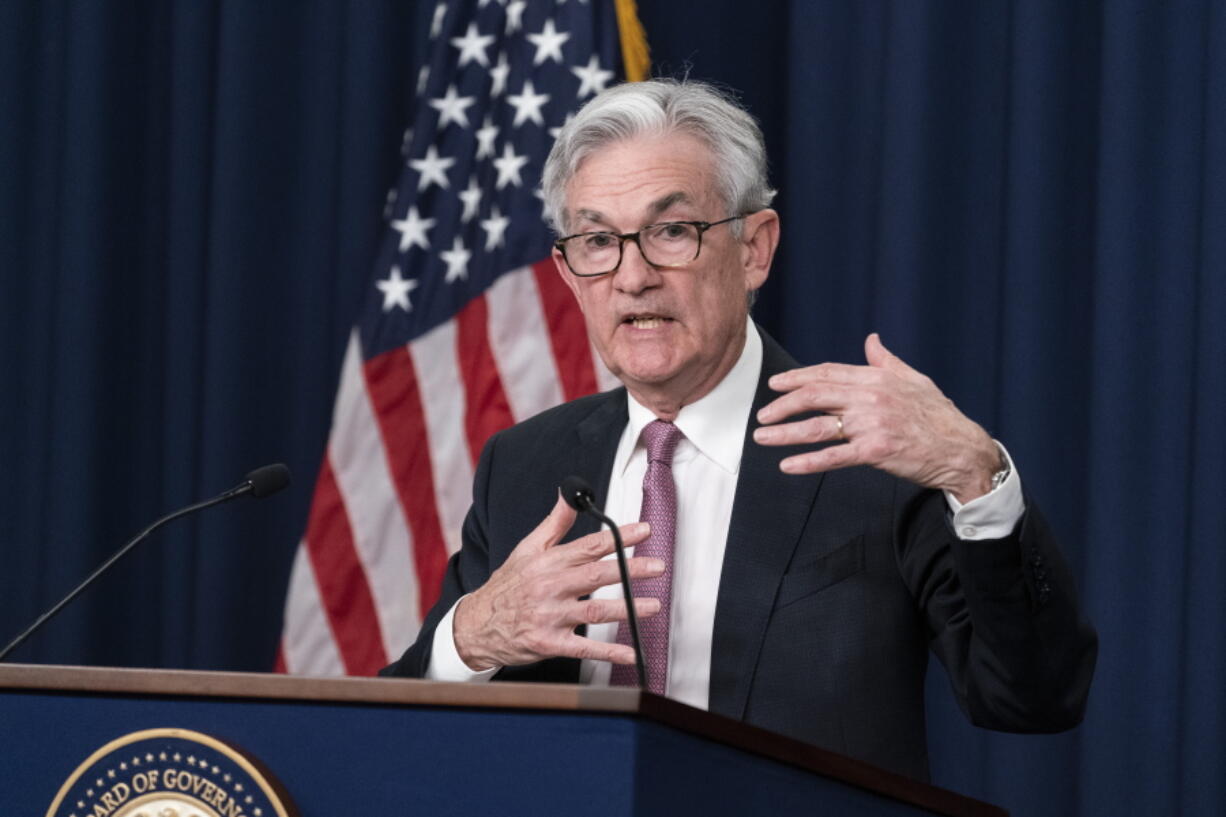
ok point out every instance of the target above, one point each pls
(445, 661)
(993, 515)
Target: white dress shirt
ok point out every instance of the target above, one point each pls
(705, 468)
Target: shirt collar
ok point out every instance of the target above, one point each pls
(715, 424)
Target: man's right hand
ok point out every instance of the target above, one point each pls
(530, 607)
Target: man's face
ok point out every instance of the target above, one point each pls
(670, 335)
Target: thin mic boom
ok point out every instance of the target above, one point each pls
(259, 483)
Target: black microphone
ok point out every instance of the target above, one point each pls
(578, 494)
(259, 483)
(264, 481)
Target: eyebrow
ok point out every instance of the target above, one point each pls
(591, 215)
(657, 207)
(662, 204)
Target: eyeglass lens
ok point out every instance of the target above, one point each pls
(662, 245)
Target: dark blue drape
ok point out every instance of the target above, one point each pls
(1028, 201)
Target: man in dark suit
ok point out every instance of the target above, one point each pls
(815, 530)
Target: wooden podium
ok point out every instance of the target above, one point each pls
(368, 746)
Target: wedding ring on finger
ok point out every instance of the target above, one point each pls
(839, 435)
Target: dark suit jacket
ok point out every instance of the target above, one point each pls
(834, 587)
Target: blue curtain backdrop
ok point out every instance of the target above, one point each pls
(1028, 200)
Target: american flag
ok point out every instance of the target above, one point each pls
(466, 328)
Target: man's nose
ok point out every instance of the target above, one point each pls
(635, 274)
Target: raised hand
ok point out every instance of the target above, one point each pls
(530, 607)
(889, 416)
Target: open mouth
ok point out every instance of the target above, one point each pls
(646, 321)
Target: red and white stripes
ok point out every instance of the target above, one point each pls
(407, 428)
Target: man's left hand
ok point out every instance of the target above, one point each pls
(889, 415)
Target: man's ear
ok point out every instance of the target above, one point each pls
(572, 283)
(759, 240)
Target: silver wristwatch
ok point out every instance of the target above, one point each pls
(998, 479)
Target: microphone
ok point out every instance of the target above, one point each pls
(259, 483)
(579, 495)
(265, 481)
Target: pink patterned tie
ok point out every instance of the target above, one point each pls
(659, 511)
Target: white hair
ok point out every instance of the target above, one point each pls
(659, 107)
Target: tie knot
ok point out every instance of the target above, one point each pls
(661, 439)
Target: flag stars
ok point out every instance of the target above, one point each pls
(436, 23)
(452, 107)
(528, 104)
(423, 78)
(495, 229)
(396, 291)
(548, 43)
(515, 15)
(508, 166)
(486, 135)
(471, 196)
(472, 46)
(457, 259)
(178, 757)
(592, 78)
(433, 169)
(498, 75)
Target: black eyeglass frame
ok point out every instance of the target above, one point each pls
(622, 238)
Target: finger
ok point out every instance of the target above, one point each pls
(587, 578)
(843, 373)
(552, 528)
(832, 398)
(811, 430)
(828, 459)
(602, 611)
(600, 544)
(877, 355)
(576, 646)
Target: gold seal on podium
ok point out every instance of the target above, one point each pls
(170, 773)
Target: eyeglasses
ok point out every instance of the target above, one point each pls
(665, 245)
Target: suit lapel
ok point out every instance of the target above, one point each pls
(768, 516)
(592, 458)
